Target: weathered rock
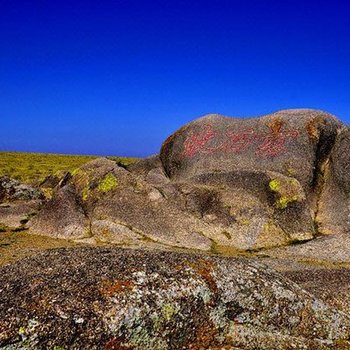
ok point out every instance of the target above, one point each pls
(62, 217)
(157, 177)
(333, 215)
(107, 202)
(145, 165)
(101, 193)
(150, 169)
(266, 208)
(243, 183)
(291, 142)
(14, 215)
(123, 299)
(51, 181)
(18, 203)
(48, 185)
(11, 189)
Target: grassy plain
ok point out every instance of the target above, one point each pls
(33, 168)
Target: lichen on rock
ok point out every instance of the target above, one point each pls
(108, 183)
(87, 298)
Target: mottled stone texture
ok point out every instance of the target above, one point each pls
(99, 298)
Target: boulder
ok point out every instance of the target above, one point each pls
(11, 189)
(15, 215)
(291, 142)
(99, 298)
(301, 147)
(18, 203)
(62, 217)
(265, 208)
(104, 202)
(107, 202)
(245, 184)
(145, 165)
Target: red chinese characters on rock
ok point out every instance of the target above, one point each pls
(196, 142)
(238, 141)
(267, 144)
(274, 144)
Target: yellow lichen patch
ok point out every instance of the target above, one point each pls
(48, 192)
(109, 183)
(274, 185)
(168, 311)
(287, 190)
(22, 330)
(85, 193)
(282, 202)
(81, 183)
(75, 172)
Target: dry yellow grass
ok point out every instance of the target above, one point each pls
(33, 168)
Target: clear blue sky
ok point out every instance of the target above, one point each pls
(117, 77)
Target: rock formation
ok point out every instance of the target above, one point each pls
(99, 298)
(243, 183)
(219, 182)
(18, 202)
(11, 189)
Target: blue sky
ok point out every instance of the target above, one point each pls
(117, 77)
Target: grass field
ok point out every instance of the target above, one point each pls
(32, 168)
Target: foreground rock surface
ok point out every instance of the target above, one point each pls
(99, 298)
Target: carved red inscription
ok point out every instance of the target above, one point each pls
(267, 144)
(196, 142)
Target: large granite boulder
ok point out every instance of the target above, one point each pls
(99, 298)
(291, 142)
(297, 146)
(245, 184)
(102, 202)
